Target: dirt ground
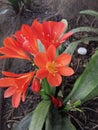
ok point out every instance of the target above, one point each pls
(10, 116)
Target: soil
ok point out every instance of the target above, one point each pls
(83, 121)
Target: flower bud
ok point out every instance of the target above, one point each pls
(56, 102)
(36, 85)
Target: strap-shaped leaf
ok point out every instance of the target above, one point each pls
(72, 47)
(24, 123)
(90, 12)
(39, 115)
(66, 24)
(85, 29)
(86, 84)
(57, 121)
(54, 120)
(67, 125)
(93, 94)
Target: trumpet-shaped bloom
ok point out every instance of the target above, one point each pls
(52, 67)
(50, 32)
(26, 39)
(17, 85)
(11, 50)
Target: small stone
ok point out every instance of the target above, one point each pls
(3, 11)
(82, 51)
(9, 125)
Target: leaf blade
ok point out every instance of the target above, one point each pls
(85, 84)
(56, 121)
(85, 29)
(24, 123)
(72, 46)
(90, 12)
(67, 125)
(39, 115)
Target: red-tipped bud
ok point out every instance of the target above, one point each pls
(36, 85)
(56, 102)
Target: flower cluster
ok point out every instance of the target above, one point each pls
(47, 63)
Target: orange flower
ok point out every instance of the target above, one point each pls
(26, 39)
(36, 85)
(50, 32)
(17, 86)
(53, 67)
(11, 50)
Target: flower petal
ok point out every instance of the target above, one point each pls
(65, 71)
(58, 30)
(36, 85)
(9, 43)
(23, 96)
(24, 90)
(37, 29)
(40, 60)
(47, 29)
(41, 73)
(23, 81)
(16, 98)
(6, 82)
(11, 50)
(9, 92)
(63, 59)
(66, 36)
(26, 39)
(10, 74)
(51, 52)
(9, 53)
(26, 30)
(54, 80)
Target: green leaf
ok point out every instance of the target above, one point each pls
(40, 46)
(67, 125)
(54, 120)
(61, 48)
(43, 95)
(49, 90)
(85, 29)
(58, 121)
(73, 45)
(39, 115)
(86, 84)
(46, 90)
(90, 12)
(93, 94)
(24, 123)
(66, 24)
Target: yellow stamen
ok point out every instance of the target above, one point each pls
(51, 67)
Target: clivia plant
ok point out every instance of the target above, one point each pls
(42, 44)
